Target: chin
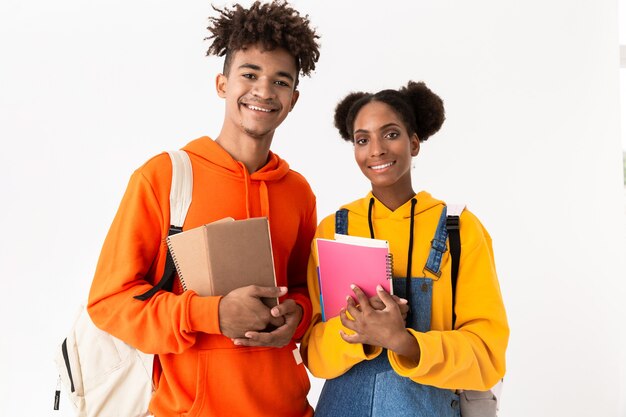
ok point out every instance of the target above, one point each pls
(258, 134)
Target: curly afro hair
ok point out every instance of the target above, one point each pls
(272, 25)
(421, 110)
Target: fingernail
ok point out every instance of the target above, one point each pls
(283, 289)
(237, 342)
(352, 286)
(404, 300)
(379, 288)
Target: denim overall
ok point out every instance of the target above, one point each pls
(373, 388)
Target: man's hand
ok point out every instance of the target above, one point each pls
(288, 311)
(242, 310)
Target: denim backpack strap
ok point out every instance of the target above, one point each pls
(437, 246)
(341, 221)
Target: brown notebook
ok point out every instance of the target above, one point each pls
(219, 257)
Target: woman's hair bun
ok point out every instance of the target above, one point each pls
(427, 108)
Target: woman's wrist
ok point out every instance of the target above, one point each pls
(404, 344)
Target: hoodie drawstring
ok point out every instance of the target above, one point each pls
(369, 217)
(246, 181)
(411, 227)
(410, 260)
(263, 192)
(265, 200)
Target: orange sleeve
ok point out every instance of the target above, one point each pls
(131, 261)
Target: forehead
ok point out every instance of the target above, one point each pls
(375, 114)
(272, 61)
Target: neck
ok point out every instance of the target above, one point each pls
(394, 196)
(250, 151)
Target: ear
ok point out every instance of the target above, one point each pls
(415, 144)
(294, 99)
(220, 85)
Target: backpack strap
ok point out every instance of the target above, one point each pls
(452, 224)
(181, 189)
(180, 200)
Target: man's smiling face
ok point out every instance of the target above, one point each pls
(259, 90)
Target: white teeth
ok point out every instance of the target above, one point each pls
(388, 164)
(251, 107)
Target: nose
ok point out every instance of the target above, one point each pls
(377, 146)
(264, 89)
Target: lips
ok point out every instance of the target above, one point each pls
(264, 109)
(382, 166)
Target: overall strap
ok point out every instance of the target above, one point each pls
(180, 200)
(437, 246)
(452, 225)
(341, 221)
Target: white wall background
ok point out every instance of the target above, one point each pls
(90, 89)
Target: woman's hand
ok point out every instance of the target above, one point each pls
(379, 327)
(378, 304)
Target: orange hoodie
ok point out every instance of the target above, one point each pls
(198, 371)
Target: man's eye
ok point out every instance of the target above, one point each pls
(249, 76)
(282, 83)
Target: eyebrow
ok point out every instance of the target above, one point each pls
(254, 67)
(388, 125)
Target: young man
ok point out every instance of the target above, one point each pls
(214, 354)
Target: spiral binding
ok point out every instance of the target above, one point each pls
(180, 276)
(389, 265)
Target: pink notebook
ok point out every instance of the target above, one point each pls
(351, 260)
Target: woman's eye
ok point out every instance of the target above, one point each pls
(393, 135)
(360, 141)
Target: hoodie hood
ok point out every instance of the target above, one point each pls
(424, 202)
(219, 161)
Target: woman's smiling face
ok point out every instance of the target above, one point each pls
(383, 147)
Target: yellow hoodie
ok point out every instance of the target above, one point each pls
(472, 356)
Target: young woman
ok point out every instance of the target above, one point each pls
(406, 354)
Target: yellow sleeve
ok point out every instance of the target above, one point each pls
(473, 355)
(324, 352)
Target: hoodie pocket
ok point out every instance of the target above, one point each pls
(258, 381)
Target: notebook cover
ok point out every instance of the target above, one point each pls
(240, 254)
(353, 261)
(188, 250)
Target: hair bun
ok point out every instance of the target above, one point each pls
(427, 107)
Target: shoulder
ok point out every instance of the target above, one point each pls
(326, 226)
(472, 230)
(295, 184)
(295, 179)
(157, 166)
(155, 173)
